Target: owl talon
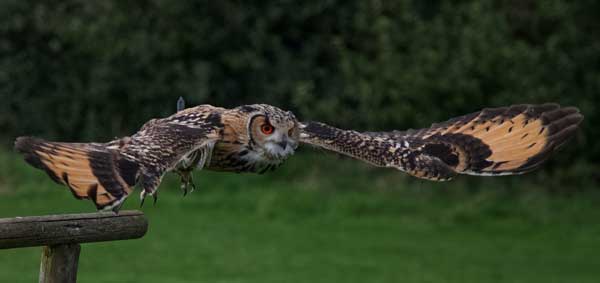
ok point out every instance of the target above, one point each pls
(142, 198)
(190, 182)
(143, 195)
(184, 188)
(187, 181)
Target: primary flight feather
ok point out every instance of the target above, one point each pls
(256, 138)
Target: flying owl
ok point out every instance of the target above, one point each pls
(257, 138)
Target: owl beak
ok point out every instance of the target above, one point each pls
(283, 143)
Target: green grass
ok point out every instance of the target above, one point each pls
(324, 219)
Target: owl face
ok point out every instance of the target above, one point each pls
(273, 132)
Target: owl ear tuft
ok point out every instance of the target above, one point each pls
(180, 104)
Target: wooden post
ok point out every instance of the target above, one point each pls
(61, 235)
(59, 263)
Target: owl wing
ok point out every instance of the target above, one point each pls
(494, 141)
(107, 172)
(174, 141)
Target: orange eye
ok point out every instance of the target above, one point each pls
(267, 129)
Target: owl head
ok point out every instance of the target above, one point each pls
(273, 132)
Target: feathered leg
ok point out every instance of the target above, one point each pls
(149, 182)
(187, 181)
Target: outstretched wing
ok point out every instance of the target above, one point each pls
(495, 141)
(90, 170)
(107, 172)
(163, 143)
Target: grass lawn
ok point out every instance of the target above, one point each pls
(325, 219)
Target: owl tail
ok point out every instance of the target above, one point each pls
(503, 141)
(89, 170)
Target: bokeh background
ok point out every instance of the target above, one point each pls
(93, 70)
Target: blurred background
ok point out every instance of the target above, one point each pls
(93, 70)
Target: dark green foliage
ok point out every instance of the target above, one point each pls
(82, 70)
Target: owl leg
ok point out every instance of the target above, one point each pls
(143, 195)
(191, 182)
(187, 181)
(149, 183)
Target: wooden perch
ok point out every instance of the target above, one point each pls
(62, 234)
(71, 228)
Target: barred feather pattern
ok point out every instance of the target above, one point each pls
(377, 150)
(495, 141)
(204, 136)
(107, 172)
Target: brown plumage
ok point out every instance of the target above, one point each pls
(495, 141)
(89, 170)
(203, 136)
(257, 138)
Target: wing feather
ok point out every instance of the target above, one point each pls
(493, 141)
(517, 138)
(107, 172)
(379, 150)
(163, 144)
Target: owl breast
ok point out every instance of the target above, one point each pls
(233, 157)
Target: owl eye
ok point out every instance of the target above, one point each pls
(291, 132)
(267, 129)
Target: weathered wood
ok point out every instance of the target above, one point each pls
(71, 228)
(59, 263)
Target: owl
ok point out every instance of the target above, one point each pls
(260, 137)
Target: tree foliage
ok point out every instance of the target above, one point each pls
(82, 70)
